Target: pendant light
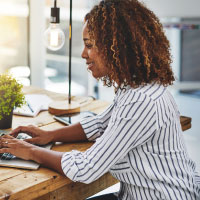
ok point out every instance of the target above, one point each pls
(54, 35)
(62, 107)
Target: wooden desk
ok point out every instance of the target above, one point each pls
(45, 184)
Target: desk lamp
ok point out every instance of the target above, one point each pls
(54, 37)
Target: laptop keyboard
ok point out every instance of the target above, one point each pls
(9, 156)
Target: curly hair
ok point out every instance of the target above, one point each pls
(132, 42)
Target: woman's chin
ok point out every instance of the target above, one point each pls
(96, 76)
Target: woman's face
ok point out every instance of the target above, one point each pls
(92, 56)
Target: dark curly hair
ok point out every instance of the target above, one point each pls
(132, 42)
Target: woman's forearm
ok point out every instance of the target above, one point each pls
(72, 133)
(52, 159)
(48, 158)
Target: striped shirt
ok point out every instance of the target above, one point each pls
(138, 139)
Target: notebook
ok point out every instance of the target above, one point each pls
(9, 160)
(35, 104)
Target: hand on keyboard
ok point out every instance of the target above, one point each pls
(39, 136)
(16, 146)
(9, 156)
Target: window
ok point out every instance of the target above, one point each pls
(14, 16)
(57, 61)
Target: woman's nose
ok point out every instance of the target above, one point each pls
(84, 54)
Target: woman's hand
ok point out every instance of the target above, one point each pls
(38, 135)
(27, 151)
(19, 148)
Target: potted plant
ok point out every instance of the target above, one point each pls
(11, 96)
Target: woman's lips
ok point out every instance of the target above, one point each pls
(90, 66)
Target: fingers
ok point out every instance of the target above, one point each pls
(8, 141)
(4, 144)
(5, 141)
(8, 146)
(15, 132)
(19, 148)
(23, 129)
(5, 150)
(7, 137)
(31, 140)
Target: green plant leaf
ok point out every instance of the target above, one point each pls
(11, 94)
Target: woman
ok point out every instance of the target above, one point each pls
(138, 137)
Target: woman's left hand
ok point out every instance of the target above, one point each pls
(19, 148)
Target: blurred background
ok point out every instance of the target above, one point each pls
(22, 50)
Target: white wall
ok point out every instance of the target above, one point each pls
(174, 8)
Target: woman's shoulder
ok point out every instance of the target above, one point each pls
(150, 92)
(153, 91)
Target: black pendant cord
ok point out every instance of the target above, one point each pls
(70, 50)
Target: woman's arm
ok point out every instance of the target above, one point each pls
(126, 131)
(71, 133)
(48, 158)
(52, 159)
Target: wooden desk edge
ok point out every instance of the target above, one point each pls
(80, 191)
(185, 122)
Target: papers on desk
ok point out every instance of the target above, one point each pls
(35, 104)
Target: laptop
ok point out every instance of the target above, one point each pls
(9, 160)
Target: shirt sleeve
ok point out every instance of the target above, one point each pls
(95, 126)
(130, 126)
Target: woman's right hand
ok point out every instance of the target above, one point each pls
(39, 136)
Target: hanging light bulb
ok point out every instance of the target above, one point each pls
(54, 36)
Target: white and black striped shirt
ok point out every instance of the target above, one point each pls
(139, 141)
